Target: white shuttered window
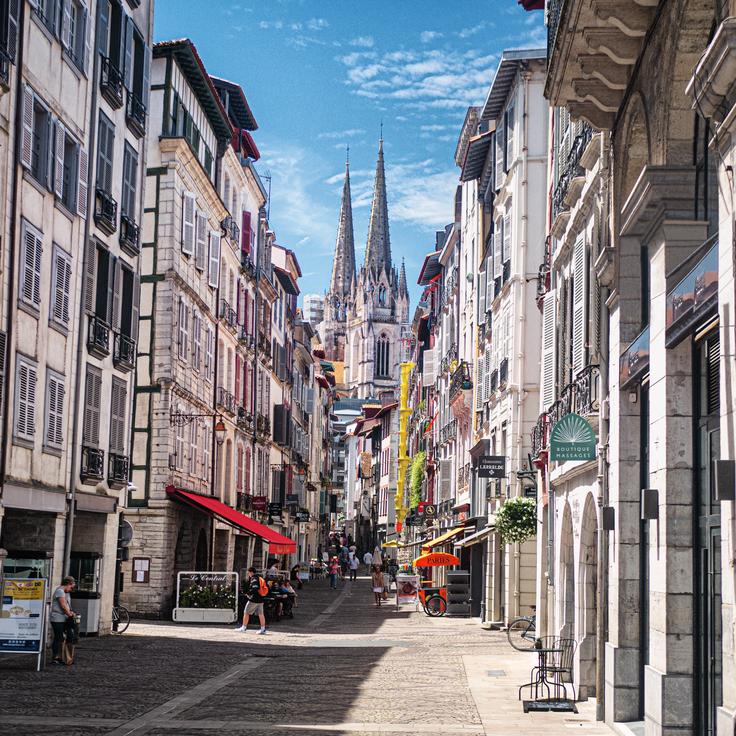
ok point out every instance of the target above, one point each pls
(30, 267)
(26, 375)
(61, 276)
(578, 305)
(187, 223)
(548, 350)
(92, 401)
(54, 420)
(118, 405)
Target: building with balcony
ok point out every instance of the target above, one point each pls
(664, 648)
(71, 207)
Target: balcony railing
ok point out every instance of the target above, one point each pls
(449, 431)
(231, 230)
(503, 372)
(92, 469)
(135, 115)
(572, 169)
(247, 265)
(111, 83)
(561, 407)
(554, 10)
(463, 476)
(228, 314)
(585, 390)
(494, 380)
(98, 337)
(245, 339)
(539, 435)
(106, 211)
(226, 400)
(130, 235)
(543, 274)
(264, 346)
(460, 380)
(117, 471)
(263, 425)
(245, 419)
(123, 355)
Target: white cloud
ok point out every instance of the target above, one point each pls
(335, 134)
(275, 24)
(317, 24)
(427, 36)
(365, 42)
(472, 30)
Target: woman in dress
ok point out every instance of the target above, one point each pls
(377, 583)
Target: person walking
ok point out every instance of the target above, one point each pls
(368, 560)
(334, 569)
(344, 562)
(354, 567)
(255, 593)
(61, 612)
(377, 584)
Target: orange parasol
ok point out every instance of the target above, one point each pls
(436, 559)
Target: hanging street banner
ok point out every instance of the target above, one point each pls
(572, 438)
(492, 466)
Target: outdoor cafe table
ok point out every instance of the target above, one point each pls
(540, 679)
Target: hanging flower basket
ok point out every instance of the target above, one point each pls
(516, 520)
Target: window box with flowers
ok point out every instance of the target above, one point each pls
(516, 520)
(207, 597)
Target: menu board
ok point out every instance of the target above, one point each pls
(407, 588)
(21, 615)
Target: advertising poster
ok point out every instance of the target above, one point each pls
(21, 616)
(407, 589)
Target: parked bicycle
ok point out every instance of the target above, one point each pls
(120, 619)
(522, 632)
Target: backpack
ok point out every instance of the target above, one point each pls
(262, 588)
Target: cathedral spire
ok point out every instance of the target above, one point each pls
(378, 247)
(403, 289)
(343, 265)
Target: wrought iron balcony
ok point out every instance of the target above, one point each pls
(231, 230)
(506, 271)
(135, 115)
(562, 406)
(98, 337)
(247, 265)
(92, 469)
(245, 339)
(460, 380)
(117, 471)
(494, 380)
(543, 274)
(263, 425)
(228, 314)
(123, 354)
(449, 431)
(4, 71)
(585, 390)
(463, 476)
(111, 83)
(539, 435)
(554, 10)
(225, 400)
(130, 235)
(245, 419)
(571, 170)
(106, 211)
(264, 346)
(503, 373)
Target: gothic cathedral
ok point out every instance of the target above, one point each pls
(366, 322)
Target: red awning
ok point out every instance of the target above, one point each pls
(278, 544)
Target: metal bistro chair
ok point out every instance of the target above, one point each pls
(561, 666)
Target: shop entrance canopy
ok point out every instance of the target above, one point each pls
(278, 544)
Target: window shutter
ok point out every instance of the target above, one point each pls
(509, 137)
(129, 41)
(135, 307)
(25, 392)
(147, 77)
(60, 138)
(117, 416)
(561, 334)
(117, 292)
(479, 383)
(66, 24)
(482, 297)
(92, 398)
(209, 356)
(61, 283)
(3, 363)
(87, 58)
(487, 369)
(111, 266)
(54, 411)
(497, 246)
(83, 189)
(201, 246)
(193, 432)
(187, 218)
(500, 149)
(578, 306)
(245, 233)
(13, 16)
(90, 276)
(183, 328)
(506, 249)
(213, 275)
(26, 140)
(548, 351)
(31, 267)
(103, 26)
(237, 378)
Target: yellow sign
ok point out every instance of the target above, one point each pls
(24, 590)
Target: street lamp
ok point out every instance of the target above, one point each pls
(180, 420)
(220, 431)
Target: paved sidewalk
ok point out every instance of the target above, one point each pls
(341, 666)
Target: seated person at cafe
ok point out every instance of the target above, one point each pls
(273, 570)
(289, 601)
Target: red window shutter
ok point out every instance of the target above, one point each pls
(246, 310)
(247, 471)
(245, 233)
(237, 377)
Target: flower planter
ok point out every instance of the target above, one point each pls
(205, 615)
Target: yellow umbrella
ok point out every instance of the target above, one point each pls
(436, 559)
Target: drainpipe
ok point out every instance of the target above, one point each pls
(601, 624)
(79, 394)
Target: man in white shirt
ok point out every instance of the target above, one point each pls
(368, 560)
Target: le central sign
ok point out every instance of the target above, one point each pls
(492, 466)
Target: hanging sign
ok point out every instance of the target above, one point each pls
(492, 466)
(259, 503)
(572, 438)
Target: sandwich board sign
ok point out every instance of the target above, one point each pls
(23, 617)
(572, 438)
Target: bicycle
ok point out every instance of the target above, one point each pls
(120, 619)
(522, 632)
(435, 605)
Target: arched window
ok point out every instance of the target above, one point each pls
(382, 296)
(382, 357)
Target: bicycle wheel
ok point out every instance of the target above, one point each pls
(435, 605)
(121, 615)
(521, 634)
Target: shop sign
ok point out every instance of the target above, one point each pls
(259, 503)
(275, 508)
(429, 512)
(492, 466)
(302, 515)
(292, 499)
(572, 438)
(22, 615)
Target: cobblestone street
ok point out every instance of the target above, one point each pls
(341, 666)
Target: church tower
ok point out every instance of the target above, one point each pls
(378, 308)
(334, 326)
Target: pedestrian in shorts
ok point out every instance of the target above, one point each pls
(254, 606)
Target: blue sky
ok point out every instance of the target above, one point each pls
(322, 74)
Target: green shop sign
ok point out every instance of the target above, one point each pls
(572, 439)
